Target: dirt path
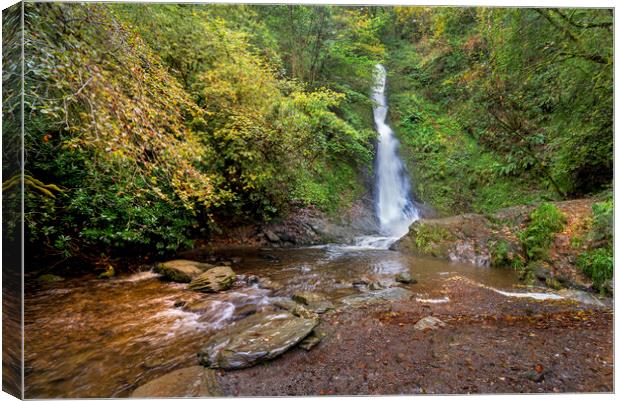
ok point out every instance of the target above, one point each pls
(490, 344)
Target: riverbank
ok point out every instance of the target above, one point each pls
(491, 343)
(496, 240)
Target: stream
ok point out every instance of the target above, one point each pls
(87, 337)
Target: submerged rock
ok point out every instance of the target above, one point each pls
(264, 282)
(189, 382)
(388, 294)
(429, 323)
(260, 337)
(313, 301)
(217, 279)
(181, 270)
(581, 297)
(405, 278)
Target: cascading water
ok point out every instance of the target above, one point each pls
(394, 207)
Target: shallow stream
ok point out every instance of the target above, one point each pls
(87, 337)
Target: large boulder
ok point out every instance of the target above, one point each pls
(181, 270)
(217, 279)
(189, 382)
(256, 338)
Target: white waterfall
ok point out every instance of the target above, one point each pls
(393, 204)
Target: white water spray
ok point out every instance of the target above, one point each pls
(394, 207)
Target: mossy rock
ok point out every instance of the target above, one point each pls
(217, 279)
(181, 270)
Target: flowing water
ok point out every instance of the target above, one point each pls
(394, 207)
(86, 337)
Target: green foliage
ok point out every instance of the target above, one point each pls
(602, 221)
(153, 124)
(500, 254)
(427, 236)
(531, 89)
(598, 264)
(537, 237)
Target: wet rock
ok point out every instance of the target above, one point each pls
(581, 297)
(271, 236)
(539, 271)
(181, 270)
(311, 341)
(246, 310)
(189, 382)
(217, 279)
(50, 278)
(315, 302)
(388, 294)
(428, 323)
(264, 282)
(405, 278)
(295, 308)
(553, 283)
(198, 305)
(376, 285)
(260, 337)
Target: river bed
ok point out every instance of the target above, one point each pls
(87, 337)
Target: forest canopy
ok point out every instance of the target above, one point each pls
(150, 125)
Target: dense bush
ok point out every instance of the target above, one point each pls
(525, 94)
(598, 264)
(537, 237)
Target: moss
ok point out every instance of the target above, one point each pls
(428, 236)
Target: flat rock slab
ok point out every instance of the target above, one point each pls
(254, 339)
(217, 279)
(189, 382)
(388, 294)
(181, 270)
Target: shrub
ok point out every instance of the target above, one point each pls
(546, 220)
(598, 264)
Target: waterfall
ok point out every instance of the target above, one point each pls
(393, 205)
(394, 208)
